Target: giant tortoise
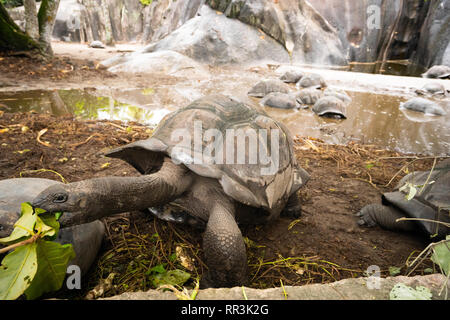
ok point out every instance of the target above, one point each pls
(217, 191)
(430, 205)
(85, 238)
(438, 72)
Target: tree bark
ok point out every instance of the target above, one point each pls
(46, 18)
(12, 38)
(31, 20)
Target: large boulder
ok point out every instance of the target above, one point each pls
(379, 30)
(305, 34)
(163, 62)
(214, 39)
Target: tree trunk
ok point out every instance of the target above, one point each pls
(31, 20)
(46, 18)
(12, 38)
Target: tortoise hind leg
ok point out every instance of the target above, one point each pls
(293, 207)
(224, 248)
(385, 217)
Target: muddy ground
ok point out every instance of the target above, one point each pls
(324, 245)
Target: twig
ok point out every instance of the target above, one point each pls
(74, 145)
(40, 134)
(21, 243)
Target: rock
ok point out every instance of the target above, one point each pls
(347, 289)
(263, 88)
(294, 23)
(280, 100)
(97, 44)
(165, 62)
(423, 105)
(215, 39)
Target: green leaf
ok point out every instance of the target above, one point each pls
(23, 227)
(175, 277)
(50, 226)
(403, 292)
(394, 271)
(52, 259)
(17, 271)
(441, 255)
(412, 193)
(158, 269)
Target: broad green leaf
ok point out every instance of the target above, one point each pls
(158, 269)
(173, 277)
(52, 259)
(17, 271)
(48, 224)
(403, 292)
(441, 256)
(23, 227)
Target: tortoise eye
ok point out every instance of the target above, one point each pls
(61, 197)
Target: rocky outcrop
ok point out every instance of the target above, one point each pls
(305, 34)
(347, 289)
(381, 30)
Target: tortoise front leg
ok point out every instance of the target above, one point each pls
(224, 249)
(385, 217)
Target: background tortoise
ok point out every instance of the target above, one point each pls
(312, 80)
(264, 87)
(438, 71)
(218, 195)
(432, 204)
(423, 105)
(330, 106)
(86, 238)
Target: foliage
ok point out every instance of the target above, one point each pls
(146, 2)
(12, 3)
(37, 264)
(404, 292)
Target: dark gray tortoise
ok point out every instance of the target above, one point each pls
(264, 87)
(312, 80)
(433, 89)
(280, 101)
(85, 238)
(330, 107)
(216, 194)
(438, 72)
(423, 105)
(432, 204)
(309, 96)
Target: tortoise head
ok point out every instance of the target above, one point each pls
(62, 198)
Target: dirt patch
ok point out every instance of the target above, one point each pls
(74, 65)
(324, 245)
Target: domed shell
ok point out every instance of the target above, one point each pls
(438, 71)
(330, 106)
(262, 173)
(309, 96)
(263, 88)
(312, 80)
